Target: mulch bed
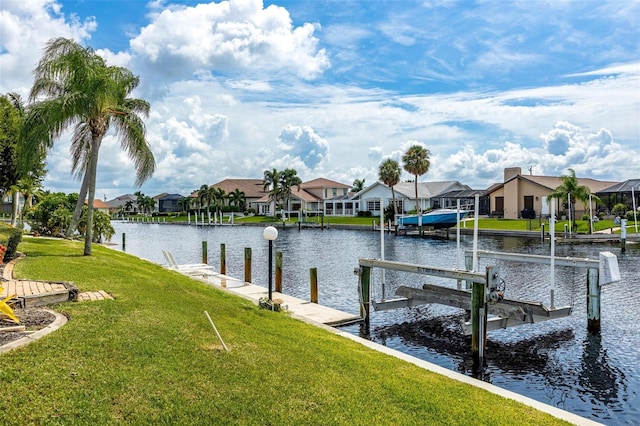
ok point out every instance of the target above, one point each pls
(33, 319)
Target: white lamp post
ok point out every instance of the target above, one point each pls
(270, 233)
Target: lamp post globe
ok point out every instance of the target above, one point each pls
(270, 233)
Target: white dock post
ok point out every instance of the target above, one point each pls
(552, 235)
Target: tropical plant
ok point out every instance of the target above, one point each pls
(389, 173)
(148, 203)
(128, 206)
(416, 162)
(101, 225)
(17, 177)
(571, 191)
(619, 209)
(52, 214)
(184, 203)
(237, 198)
(205, 196)
(74, 86)
(288, 179)
(219, 196)
(271, 182)
(358, 185)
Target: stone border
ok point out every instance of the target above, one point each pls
(56, 324)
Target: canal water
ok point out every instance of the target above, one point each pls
(556, 362)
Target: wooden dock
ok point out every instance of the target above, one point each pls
(299, 308)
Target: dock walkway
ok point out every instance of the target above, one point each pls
(297, 307)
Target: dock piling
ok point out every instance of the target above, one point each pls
(247, 264)
(364, 281)
(223, 259)
(279, 271)
(205, 256)
(313, 278)
(593, 300)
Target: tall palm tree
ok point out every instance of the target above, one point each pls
(358, 185)
(128, 206)
(288, 179)
(237, 198)
(149, 203)
(416, 162)
(205, 196)
(571, 191)
(74, 87)
(140, 201)
(17, 175)
(271, 182)
(389, 174)
(219, 196)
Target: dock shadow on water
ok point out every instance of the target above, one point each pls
(442, 334)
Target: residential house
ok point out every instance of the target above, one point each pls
(627, 192)
(253, 190)
(167, 203)
(120, 203)
(317, 196)
(519, 192)
(101, 206)
(428, 195)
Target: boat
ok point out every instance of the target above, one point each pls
(438, 219)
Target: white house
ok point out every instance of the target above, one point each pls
(370, 197)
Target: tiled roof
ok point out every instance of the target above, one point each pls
(252, 188)
(323, 183)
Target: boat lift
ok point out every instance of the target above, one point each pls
(484, 293)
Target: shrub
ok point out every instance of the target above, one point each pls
(585, 217)
(629, 215)
(619, 209)
(10, 238)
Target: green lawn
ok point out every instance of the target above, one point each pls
(483, 223)
(151, 357)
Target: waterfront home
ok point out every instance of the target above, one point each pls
(519, 192)
(622, 192)
(428, 195)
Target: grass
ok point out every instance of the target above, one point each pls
(151, 357)
(536, 225)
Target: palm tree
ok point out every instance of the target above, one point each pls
(389, 174)
(358, 185)
(204, 196)
(148, 204)
(237, 198)
(218, 195)
(74, 87)
(128, 206)
(18, 176)
(184, 203)
(288, 179)
(271, 182)
(416, 162)
(140, 201)
(571, 191)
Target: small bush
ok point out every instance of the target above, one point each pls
(629, 215)
(619, 209)
(10, 238)
(585, 217)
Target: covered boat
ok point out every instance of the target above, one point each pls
(441, 218)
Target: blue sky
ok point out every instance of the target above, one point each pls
(332, 88)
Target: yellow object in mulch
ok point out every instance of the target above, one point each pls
(6, 309)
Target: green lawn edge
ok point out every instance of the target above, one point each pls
(151, 357)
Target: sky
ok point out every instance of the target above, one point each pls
(333, 88)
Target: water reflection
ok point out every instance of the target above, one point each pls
(598, 377)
